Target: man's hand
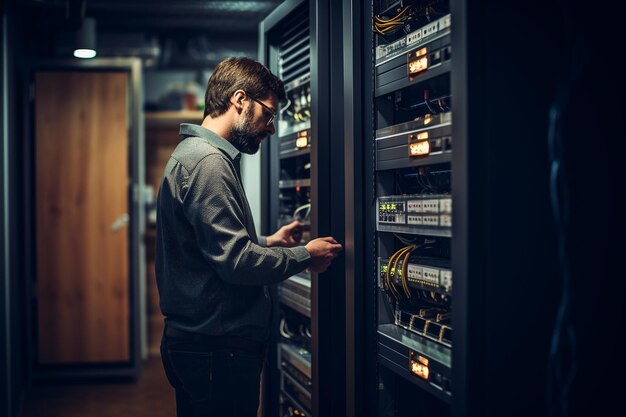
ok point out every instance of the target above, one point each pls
(323, 250)
(287, 236)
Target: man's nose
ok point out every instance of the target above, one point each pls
(270, 130)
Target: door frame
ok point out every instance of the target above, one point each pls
(137, 221)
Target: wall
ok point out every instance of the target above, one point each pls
(251, 177)
(13, 371)
(157, 84)
(4, 249)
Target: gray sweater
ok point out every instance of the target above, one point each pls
(211, 269)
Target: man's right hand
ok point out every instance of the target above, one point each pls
(323, 250)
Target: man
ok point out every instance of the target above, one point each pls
(211, 268)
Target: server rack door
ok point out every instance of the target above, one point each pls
(302, 179)
(504, 250)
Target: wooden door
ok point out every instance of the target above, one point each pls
(82, 182)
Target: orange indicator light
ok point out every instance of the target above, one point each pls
(419, 148)
(418, 65)
(301, 142)
(419, 365)
(420, 370)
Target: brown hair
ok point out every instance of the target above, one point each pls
(239, 73)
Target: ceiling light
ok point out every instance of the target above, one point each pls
(85, 39)
(84, 53)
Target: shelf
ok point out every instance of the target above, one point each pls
(290, 130)
(296, 403)
(289, 144)
(173, 118)
(406, 162)
(410, 47)
(305, 391)
(295, 152)
(414, 126)
(297, 357)
(433, 350)
(403, 82)
(395, 345)
(412, 230)
(306, 182)
(295, 292)
(392, 151)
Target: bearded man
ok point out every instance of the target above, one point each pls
(212, 269)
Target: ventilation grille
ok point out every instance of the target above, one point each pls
(294, 48)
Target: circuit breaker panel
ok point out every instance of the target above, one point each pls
(413, 145)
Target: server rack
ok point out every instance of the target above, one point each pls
(501, 250)
(412, 152)
(302, 176)
(498, 100)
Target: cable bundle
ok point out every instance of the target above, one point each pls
(403, 253)
(385, 26)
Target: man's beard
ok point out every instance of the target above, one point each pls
(243, 137)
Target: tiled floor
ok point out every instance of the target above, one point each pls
(150, 396)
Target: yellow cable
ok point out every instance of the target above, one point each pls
(390, 24)
(400, 253)
(383, 26)
(405, 262)
(390, 285)
(388, 270)
(395, 17)
(386, 24)
(400, 22)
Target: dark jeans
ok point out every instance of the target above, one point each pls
(216, 382)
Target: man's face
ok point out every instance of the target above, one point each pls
(251, 128)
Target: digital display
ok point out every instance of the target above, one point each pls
(419, 370)
(419, 365)
(417, 61)
(421, 52)
(418, 65)
(302, 141)
(420, 148)
(384, 207)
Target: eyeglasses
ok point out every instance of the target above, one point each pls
(266, 107)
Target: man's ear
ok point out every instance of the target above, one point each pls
(237, 100)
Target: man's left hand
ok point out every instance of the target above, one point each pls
(287, 236)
